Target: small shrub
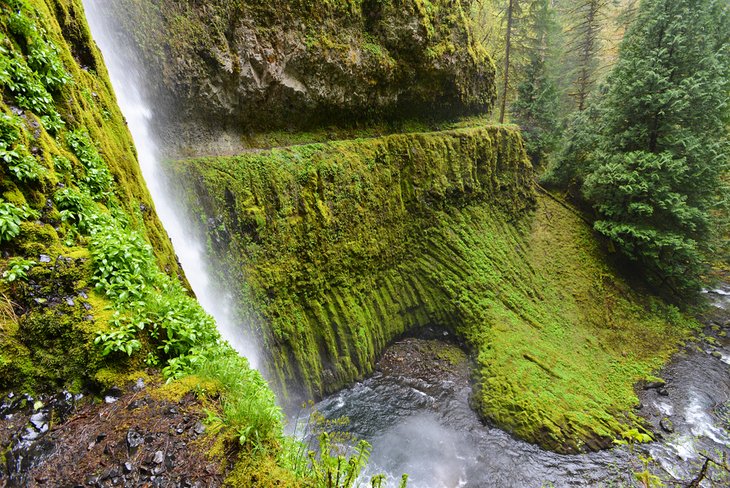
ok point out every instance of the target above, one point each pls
(10, 217)
(17, 270)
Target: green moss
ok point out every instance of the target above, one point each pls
(69, 133)
(51, 344)
(343, 247)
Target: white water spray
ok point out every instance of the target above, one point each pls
(127, 79)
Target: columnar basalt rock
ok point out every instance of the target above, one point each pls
(334, 250)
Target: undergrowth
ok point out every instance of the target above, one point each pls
(85, 258)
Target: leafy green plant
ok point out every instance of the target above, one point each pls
(335, 470)
(17, 269)
(122, 339)
(28, 90)
(78, 209)
(10, 217)
(97, 180)
(43, 56)
(16, 157)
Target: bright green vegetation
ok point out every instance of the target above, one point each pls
(337, 249)
(68, 172)
(649, 155)
(90, 288)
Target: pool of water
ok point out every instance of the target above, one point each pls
(422, 425)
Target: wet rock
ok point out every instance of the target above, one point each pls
(127, 467)
(663, 391)
(199, 428)
(39, 421)
(44, 258)
(135, 404)
(654, 385)
(666, 425)
(134, 440)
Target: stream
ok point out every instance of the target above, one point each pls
(421, 424)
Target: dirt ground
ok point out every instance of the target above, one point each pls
(131, 438)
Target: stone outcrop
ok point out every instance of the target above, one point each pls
(296, 64)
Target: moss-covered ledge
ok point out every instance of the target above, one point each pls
(325, 238)
(336, 249)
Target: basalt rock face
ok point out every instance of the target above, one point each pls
(332, 251)
(337, 246)
(291, 64)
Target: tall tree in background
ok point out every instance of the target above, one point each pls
(655, 176)
(536, 107)
(511, 7)
(587, 16)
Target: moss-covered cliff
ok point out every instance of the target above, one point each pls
(61, 134)
(256, 65)
(339, 248)
(91, 293)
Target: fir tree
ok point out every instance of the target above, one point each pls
(535, 109)
(655, 177)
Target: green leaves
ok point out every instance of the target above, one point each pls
(32, 77)
(650, 152)
(10, 218)
(97, 180)
(17, 270)
(21, 164)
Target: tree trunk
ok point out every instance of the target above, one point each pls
(508, 46)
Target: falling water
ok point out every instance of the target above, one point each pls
(128, 81)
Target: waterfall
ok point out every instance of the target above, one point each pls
(128, 79)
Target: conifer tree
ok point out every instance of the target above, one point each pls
(535, 109)
(655, 176)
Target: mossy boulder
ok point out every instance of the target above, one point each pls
(254, 65)
(335, 250)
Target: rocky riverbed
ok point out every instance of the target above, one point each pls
(133, 437)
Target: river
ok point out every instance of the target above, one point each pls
(420, 423)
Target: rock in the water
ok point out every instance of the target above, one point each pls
(654, 385)
(666, 425)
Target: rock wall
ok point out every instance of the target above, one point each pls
(295, 64)
(327, 238)
(334, 250)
